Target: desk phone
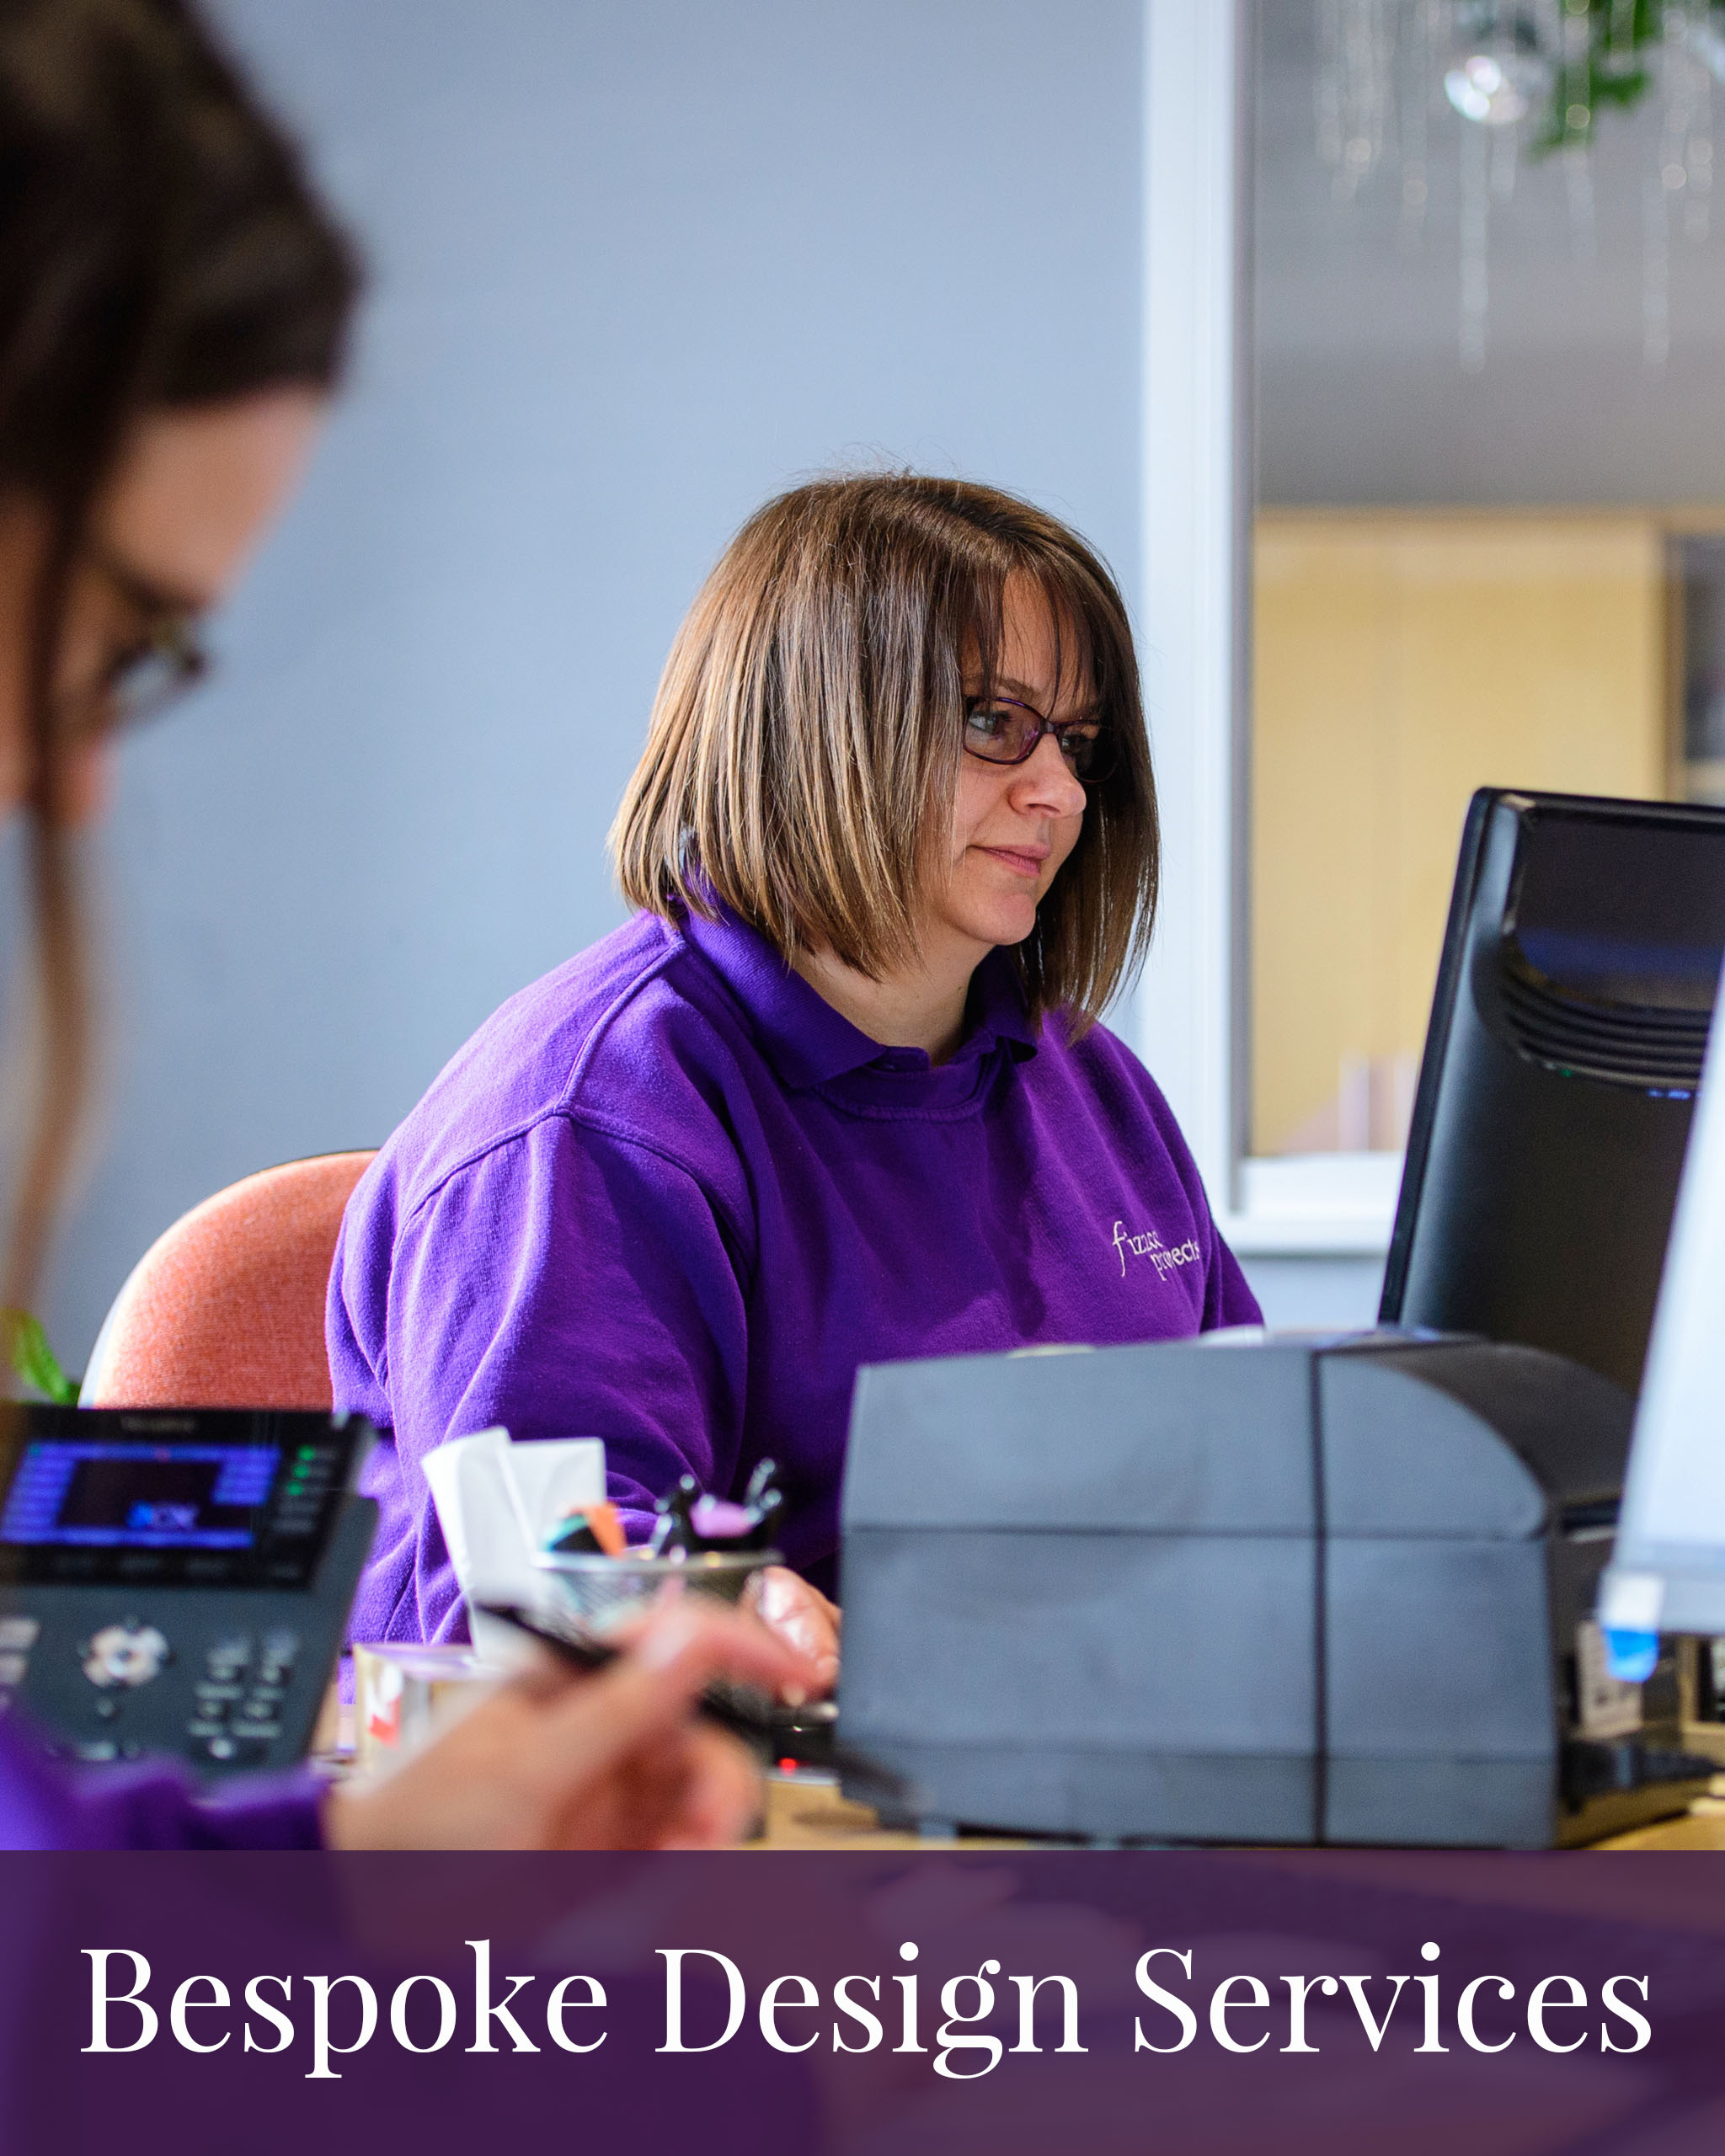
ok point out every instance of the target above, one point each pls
(178, 1580)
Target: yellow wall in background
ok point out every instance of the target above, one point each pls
(1399, 662)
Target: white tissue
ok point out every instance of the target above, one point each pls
(551, 1478)
(495, 1503)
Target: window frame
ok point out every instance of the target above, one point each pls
(1197, 499)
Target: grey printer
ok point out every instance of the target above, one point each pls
(1290, 1591)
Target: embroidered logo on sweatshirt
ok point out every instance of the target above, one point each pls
(1150, 1244)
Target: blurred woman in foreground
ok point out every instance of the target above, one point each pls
(174, 308)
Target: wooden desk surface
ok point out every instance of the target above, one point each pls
(806, 1811)
(1702, 1827)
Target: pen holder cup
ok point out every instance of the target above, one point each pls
(601, 1592)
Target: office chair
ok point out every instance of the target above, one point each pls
(225, 1309)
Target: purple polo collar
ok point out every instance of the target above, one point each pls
(808, 1043)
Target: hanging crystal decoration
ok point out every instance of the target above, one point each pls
(1559, 31)
(1655, 274)
(1707, 51)
(1355, 88)
(1483, 89)
(1493, 87)
(1475, 249)
(1424, 43)
(1550, 69)
(1665, 176)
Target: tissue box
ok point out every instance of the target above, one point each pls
(398, 1690)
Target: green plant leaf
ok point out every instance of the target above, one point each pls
(34, 1360)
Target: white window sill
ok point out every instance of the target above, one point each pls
(1316, 1205)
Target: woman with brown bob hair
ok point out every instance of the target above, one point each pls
(807, 737)
(838, 1092)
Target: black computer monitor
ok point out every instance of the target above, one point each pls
(1573, 998)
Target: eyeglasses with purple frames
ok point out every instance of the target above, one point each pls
(1005, 730)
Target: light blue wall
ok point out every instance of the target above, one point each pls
(1340, 1293)
(637, 267)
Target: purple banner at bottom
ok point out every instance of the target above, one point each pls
(856, 2004)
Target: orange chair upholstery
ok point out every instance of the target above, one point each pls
(226, 1310)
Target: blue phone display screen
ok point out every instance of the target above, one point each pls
(94, 1495)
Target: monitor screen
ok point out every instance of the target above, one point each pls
(170, 1496)
(1566, 1044)
(1667, 1570)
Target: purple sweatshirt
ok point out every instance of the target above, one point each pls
(153, 1805)
(667, 1196)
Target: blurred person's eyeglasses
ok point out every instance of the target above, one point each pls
(1003, 730)
(152, 667)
